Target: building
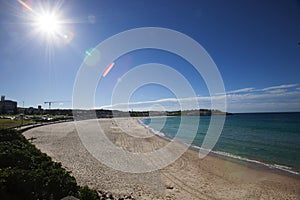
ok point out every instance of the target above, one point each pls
(7, 106)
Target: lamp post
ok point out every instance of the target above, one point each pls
(22, 116)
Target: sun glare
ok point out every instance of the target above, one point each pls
(48, 23)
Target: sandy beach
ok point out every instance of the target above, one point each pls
(189, 177)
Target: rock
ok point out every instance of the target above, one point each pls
(169, 187)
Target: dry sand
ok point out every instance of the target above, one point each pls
(187, 178)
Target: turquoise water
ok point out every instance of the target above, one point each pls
(272, 139)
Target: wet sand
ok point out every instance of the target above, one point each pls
(189, 177)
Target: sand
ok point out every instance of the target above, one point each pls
(189, 177)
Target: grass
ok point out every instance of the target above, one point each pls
(9, 123)
(27, 173)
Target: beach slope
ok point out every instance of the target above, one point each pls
(187, 178)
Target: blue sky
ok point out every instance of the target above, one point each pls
(253, 43)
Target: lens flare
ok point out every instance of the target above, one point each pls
(68, 37)
(108, 69)
(25, 5)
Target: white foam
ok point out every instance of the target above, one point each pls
(271, 166)
(152, 130)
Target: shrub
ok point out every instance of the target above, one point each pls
(86, 193)
(27, 173)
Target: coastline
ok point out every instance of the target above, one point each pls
(256, 164)
(188, 177)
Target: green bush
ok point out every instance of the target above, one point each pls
(86, 193)
(27, 173)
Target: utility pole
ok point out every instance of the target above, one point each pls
(22, 118)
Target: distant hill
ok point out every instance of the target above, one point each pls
(101, 113)
(200, 112)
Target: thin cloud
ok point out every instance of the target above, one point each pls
(275, 98)
(261, 96)
(277, 91)
(249, 89)
(189, 102)
(279, 87)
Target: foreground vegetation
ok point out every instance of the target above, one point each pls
(27, 173)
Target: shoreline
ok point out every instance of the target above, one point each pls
(186, 178)
(255, 164)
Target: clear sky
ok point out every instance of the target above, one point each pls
(253, 43)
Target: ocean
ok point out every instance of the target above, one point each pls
(270, 139)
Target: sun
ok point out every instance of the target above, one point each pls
(48, 23)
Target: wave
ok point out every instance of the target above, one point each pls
(155, 132)
(229, 155)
